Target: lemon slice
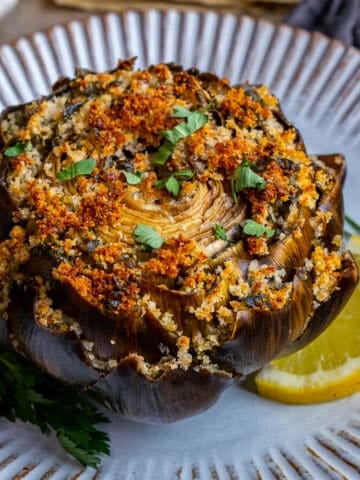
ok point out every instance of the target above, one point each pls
(326, 369)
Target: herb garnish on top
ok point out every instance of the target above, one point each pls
(172, 182)
(253, 228)
(244, 177)
(18, 148)
(194, 121)
(83, 167)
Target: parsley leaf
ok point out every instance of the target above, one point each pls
(18, 148)
(28, 394)
(164, 152)
(148, 237)
(255, 229)
(183, 174)
(181, 112)
(172, 186)
(244, 177)
(83, 167)
(194, 121)
(220, 233)
(181, 130)
(133, 178)
(90, 455)
(171, 183)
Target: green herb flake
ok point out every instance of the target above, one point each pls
(133, 178)
(220, 233)
(148, 237)
(244, 177)
(211, 105)
(194, 121)
(181, 130)
(181, 112)
(26, 393)
(184, 174)
(197, 120)
(253, 228)
(172, 182)
(172, 186)
(83, 167)
(164, 153)
(18, 149)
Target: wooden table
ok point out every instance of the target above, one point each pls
(33, 15)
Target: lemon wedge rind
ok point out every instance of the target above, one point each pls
(317, 387)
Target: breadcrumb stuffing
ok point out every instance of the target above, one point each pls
(326, 269)
(79, 232)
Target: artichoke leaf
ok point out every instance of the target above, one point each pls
(176, 394)
(175, 302)
(325, 313)
(114, 335)
(7, 206)
(332, 198)
(290, 252)
(59, 354)
(259, 335)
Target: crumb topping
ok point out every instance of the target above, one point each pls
(158, 168)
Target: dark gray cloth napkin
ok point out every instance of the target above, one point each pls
(336, 18)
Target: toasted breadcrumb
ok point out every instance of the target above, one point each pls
(190, 289)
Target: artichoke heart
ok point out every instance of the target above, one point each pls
(163, 235)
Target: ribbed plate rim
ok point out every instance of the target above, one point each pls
(316, 457)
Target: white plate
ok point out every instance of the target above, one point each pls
(6, 5)
(318, 82)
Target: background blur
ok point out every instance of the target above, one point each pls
(32, 15)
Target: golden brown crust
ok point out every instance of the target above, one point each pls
(188, 257)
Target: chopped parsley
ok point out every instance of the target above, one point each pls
(172, 182)
(83, 167)
(194, 121)
(256, 229)
(133, 178)
(163, 154)
(28, 394)
(18, 148)
(220, 233)
(244, 177)
(171, 185)
(147, 237)
(211, 105)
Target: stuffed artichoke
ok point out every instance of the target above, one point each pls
(164, 234)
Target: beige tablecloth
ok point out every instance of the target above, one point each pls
(32, 15)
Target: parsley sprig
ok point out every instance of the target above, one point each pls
(172, 183)
(28, 394)
(253, 228)
(83, 167)
(244, 177)
(194, 121)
